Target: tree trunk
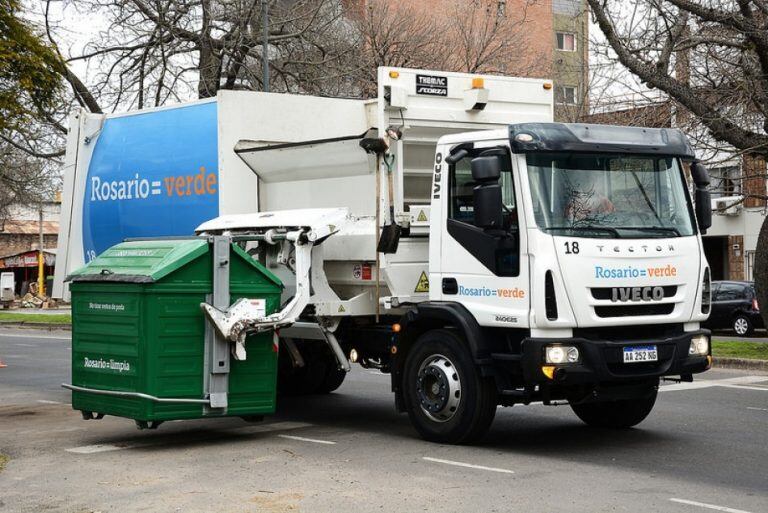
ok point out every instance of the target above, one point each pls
(761, 270)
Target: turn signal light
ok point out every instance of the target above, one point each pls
(394, 74)
(547, 85)
(396, 328)
(549, 371)
(478, 83)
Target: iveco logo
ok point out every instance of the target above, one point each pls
(637, 294)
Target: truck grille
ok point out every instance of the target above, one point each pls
(634, 310)
(605, 292)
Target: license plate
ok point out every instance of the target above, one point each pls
(636, 354)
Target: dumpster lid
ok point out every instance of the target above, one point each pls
(141, 261)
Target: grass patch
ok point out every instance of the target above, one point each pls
(3, 460)
(738, 349)
(35, 318)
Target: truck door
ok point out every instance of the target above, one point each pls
(485, 270)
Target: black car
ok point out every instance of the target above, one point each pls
(734, 307)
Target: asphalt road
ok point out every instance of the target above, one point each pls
(704, 448)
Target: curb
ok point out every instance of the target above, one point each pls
(740, 364)
(35, 325)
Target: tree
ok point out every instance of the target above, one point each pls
(711, 58)
(29, 78)
(30, 85)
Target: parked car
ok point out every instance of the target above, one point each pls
(734, 307)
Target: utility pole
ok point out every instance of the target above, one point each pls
(265, 44)
(41, 258)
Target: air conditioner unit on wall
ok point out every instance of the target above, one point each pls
(727, 206)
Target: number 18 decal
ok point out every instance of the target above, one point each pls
(571, 248)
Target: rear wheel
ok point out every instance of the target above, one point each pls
(334, 377)
(447, 399)
(742, 326)
(617, 414)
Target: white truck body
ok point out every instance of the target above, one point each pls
(534, 261)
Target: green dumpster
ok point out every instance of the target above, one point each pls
(140, 342)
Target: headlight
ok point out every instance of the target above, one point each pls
(699, 346)
(561, 354)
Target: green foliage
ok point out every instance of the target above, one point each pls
(737, 349)
(29, 69)
(7, 317)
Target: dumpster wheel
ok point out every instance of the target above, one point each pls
(152, 424)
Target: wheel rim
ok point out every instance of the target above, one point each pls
(438, 387)
(740, 326)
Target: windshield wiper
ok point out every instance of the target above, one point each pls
(668, 229)
(608, 229)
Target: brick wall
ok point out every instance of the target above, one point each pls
(754, 183)
(736, 257)
(12, 243)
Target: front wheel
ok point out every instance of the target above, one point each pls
(447, 399)
(617, 414)
(742, 326)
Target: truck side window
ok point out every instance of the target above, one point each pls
(497, 250)
(461, 199)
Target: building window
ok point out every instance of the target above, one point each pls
(750, 271)
(725, 181)
(566, 42)
(566, 95)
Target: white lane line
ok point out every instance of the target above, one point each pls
(757, 409)
(26, 345)
(92, 449)
(745, 387)
(302, 439)
(469, 465)
(96, 448)
(34, 336)
(708, 506)
(46, 401)
(739, 380)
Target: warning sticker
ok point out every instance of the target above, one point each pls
(362, 272)
(423, 284)
(341, 308)
(422, 217)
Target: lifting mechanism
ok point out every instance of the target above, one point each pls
(297, 248)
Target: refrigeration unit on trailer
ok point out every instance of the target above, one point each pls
(459, 240)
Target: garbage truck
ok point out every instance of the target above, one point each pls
(462, 242)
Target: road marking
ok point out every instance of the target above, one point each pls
(302, 439)
(708, 506)
(469, 465)
(92, 449)
(96, 448)
(33, 336)
(26, 345)
(729, 382)
(758, 409)
(745, 387)
(46, 401)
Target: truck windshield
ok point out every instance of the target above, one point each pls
(613, 196)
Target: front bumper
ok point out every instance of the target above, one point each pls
(602, 360)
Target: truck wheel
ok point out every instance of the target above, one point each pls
(616, 414)
(742, 326)
(447, 399)
(302, 380)
(333, 379)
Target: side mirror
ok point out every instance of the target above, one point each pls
(486, 169)
(487, 198)
(699, 174)
(703, 197)
(703, 209)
